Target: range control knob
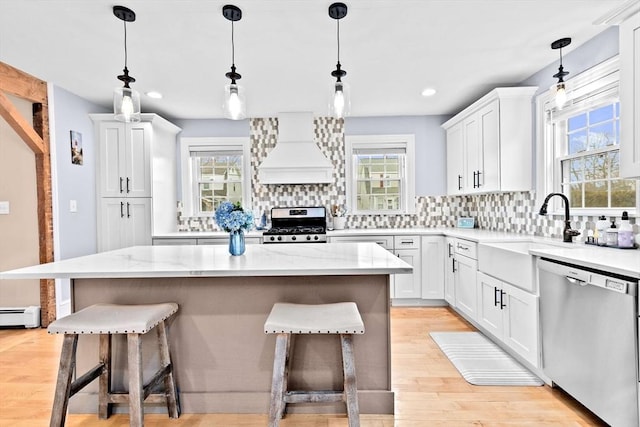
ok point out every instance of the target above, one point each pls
(315, 237)
(279, 237)
(272, 238)
(293, 238)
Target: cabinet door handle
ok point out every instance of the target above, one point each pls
(474, 179)
(453, 265)
(479, 178)
(450, 249)
(128, 212)
(128, 185)
(121, 185)
(121, 210)
(495, 296)
(459, 182)
(502, 304)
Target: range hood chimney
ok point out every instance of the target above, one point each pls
(296, 158)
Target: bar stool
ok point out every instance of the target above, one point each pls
(107, 320)
(286, 319)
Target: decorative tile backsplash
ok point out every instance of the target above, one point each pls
(514, 212)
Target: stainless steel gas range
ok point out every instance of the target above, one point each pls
(297, 225)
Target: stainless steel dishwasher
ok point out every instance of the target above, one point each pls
(589, 323)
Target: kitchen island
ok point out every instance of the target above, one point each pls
(223, 360)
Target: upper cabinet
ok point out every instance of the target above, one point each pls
(125, 166)
(489, 143)
(630, 97)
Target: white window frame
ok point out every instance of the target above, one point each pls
(188, 144)
(377, 142)
(548, 173)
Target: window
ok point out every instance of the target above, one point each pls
(590, 172)
(214, 170)
(380, 174)
(581, 145)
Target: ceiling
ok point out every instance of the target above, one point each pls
(286, 50)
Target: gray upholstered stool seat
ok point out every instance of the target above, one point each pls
(287, 319)
(107, 320)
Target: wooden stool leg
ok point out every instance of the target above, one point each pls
(173, 405)
(136, 397)
(277, 382)
(350, 386)
(104, 387)
(63, 384)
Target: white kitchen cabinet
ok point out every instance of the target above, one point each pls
(465, 269)
(489, 143)
(407, 248)
(124, 222)
(124, 159)
(510, 314)
(456, 160)
(630, 97)
(433, 266)
(449, 272)
(403, 286)
(135, 166)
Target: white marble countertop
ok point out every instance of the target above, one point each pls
(620, 261)
(214, 261)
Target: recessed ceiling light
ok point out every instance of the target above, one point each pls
(429, 92)
(155, 95)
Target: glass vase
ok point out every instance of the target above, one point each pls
(236, 242)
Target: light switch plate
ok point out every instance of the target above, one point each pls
(73, 206)
(4, 208)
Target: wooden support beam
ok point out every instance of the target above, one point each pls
(45, 212)
(22, 85)
(21, 126)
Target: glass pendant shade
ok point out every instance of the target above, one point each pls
(234, 102)
(126, 104)
(561, 95)
(340, 100)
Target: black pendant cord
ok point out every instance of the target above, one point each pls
(338, 37)
(125, 44)
(233, 47)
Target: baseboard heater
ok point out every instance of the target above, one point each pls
(29, 317)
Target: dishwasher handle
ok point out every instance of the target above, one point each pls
(575, 281)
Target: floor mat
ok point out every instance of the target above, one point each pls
(481, 362)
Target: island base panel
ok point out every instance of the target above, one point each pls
(223, 360)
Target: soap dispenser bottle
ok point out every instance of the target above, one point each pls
(612, 234)
(625, 232)
(601, 228)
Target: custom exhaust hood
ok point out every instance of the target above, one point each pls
(296, 158)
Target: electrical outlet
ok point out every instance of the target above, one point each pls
(4, 208)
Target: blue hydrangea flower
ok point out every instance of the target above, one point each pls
(231, 217)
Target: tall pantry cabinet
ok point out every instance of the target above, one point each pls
(136, 180)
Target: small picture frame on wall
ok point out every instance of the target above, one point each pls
(76, 148)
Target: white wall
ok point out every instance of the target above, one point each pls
(19, 242)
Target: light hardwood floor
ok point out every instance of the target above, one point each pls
(429, 390)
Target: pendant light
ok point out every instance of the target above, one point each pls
(340, 102)
(234, 100)
(126, 101)
(561, 90)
